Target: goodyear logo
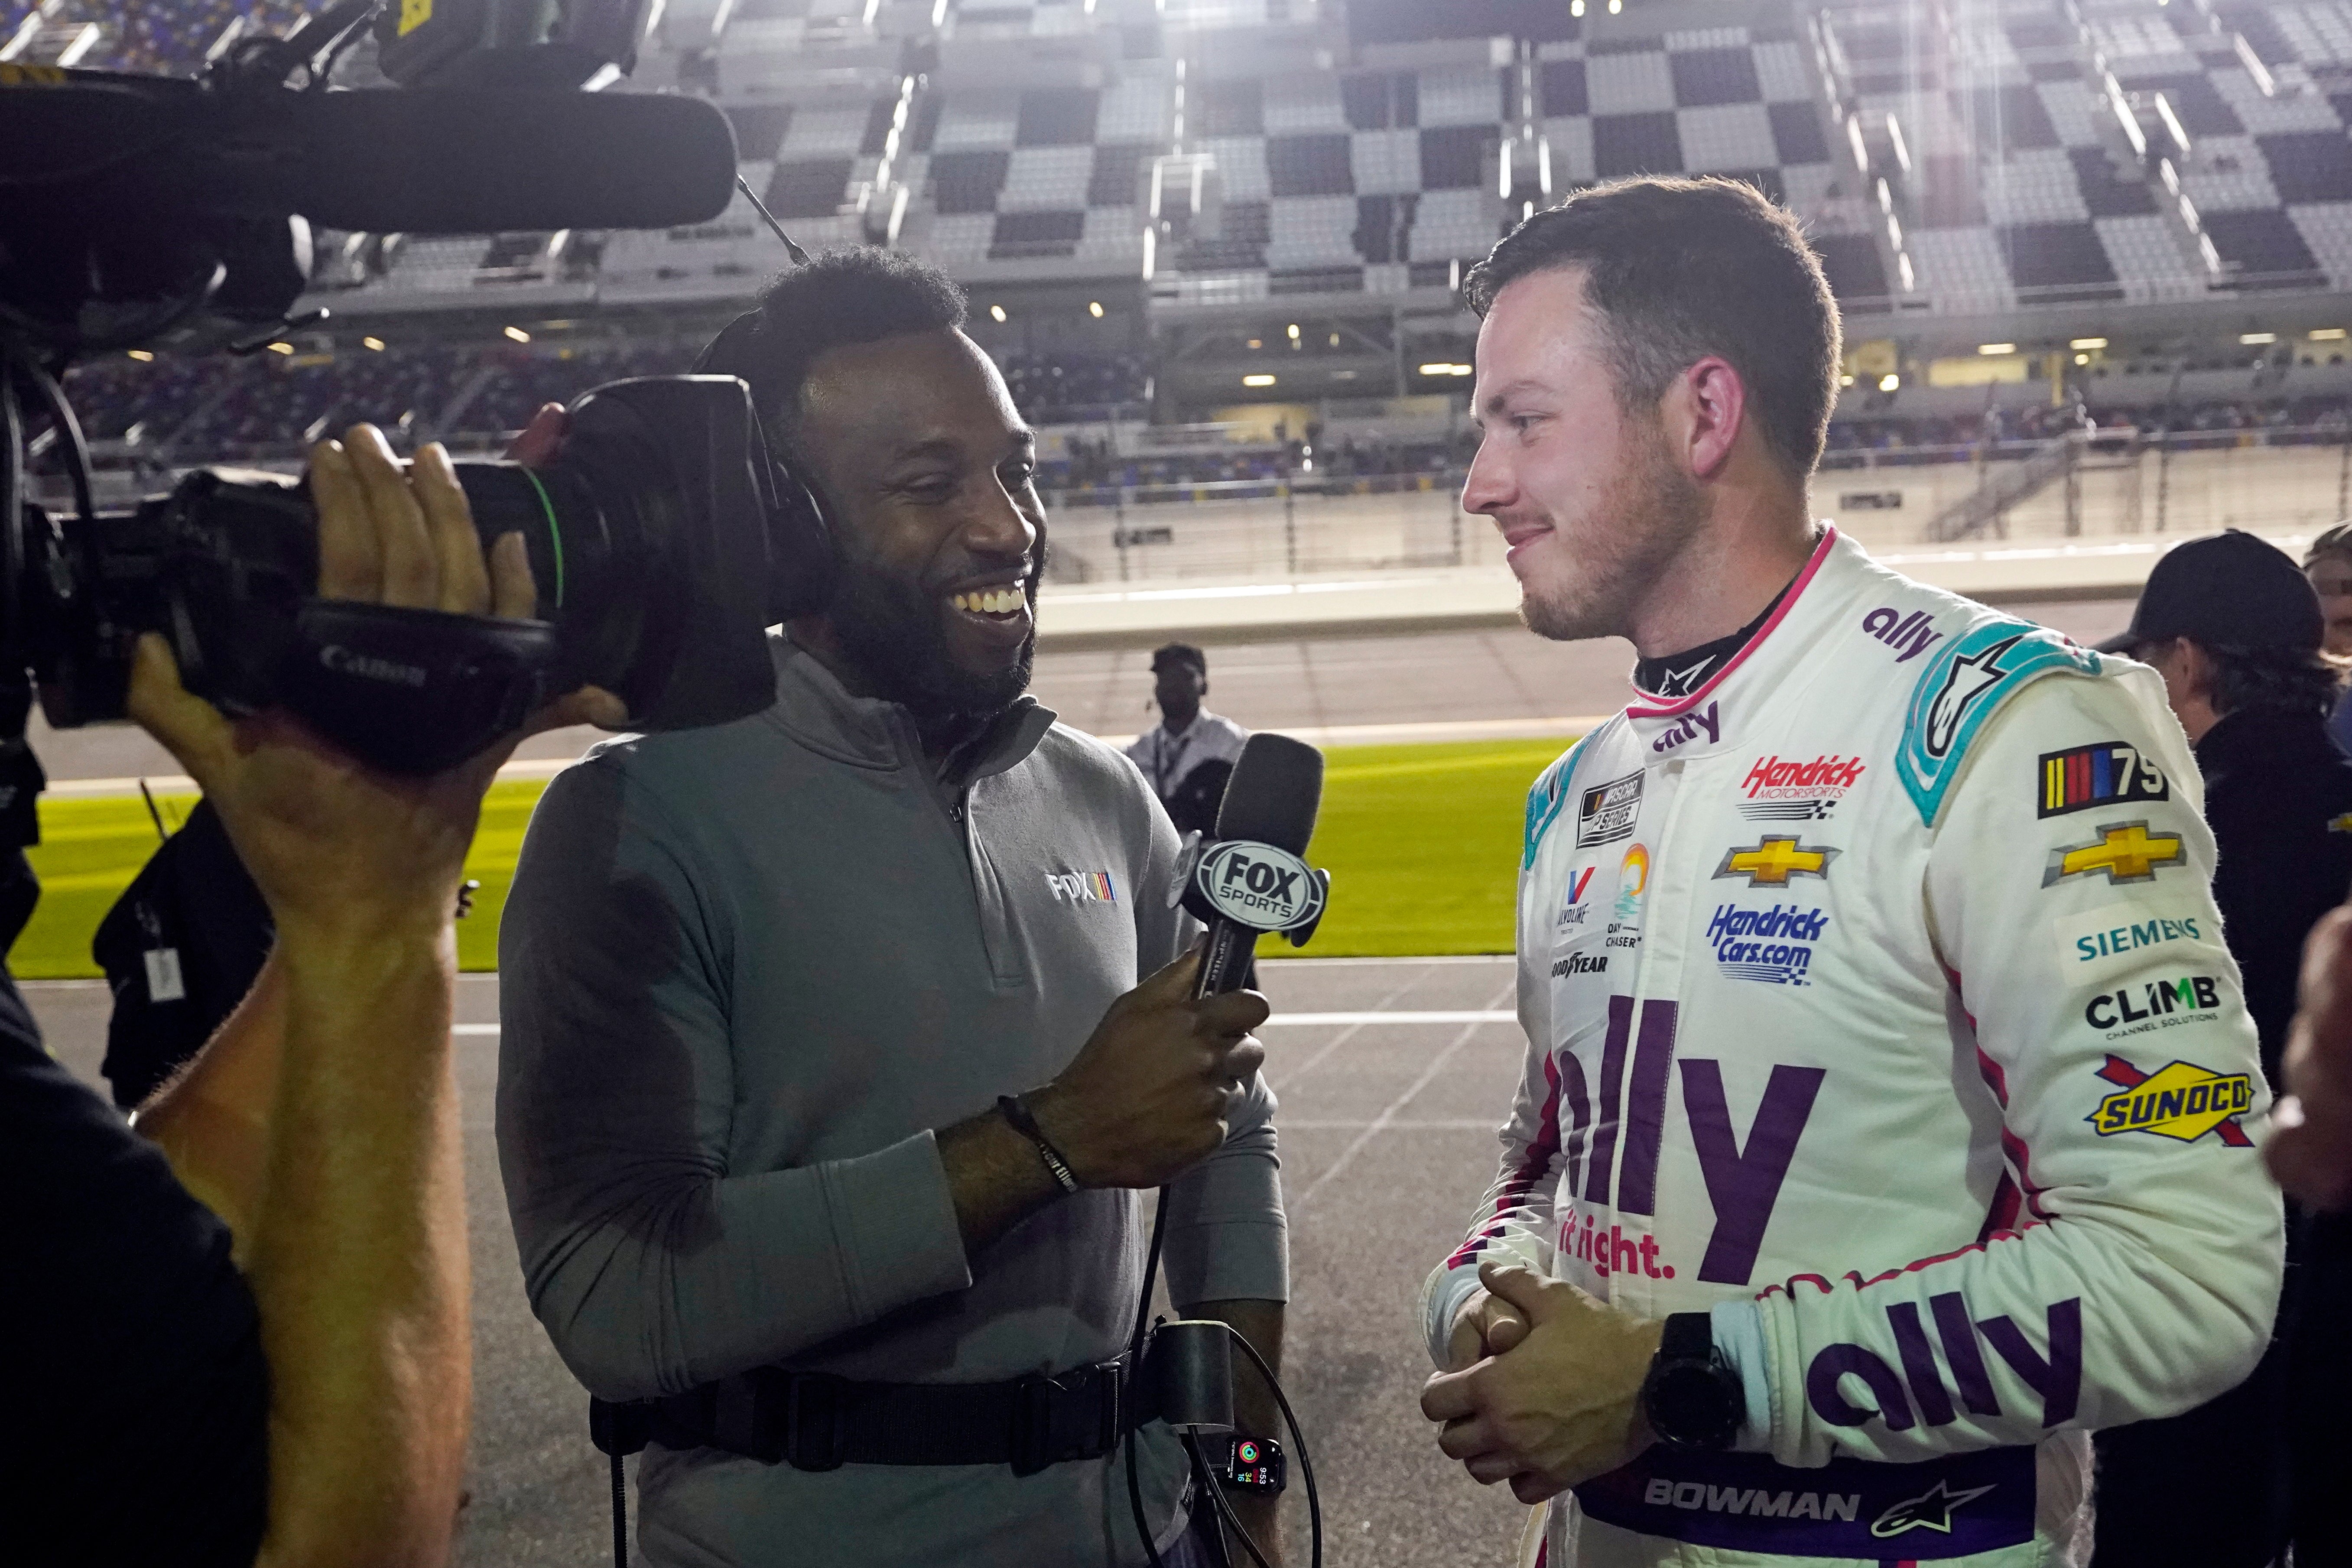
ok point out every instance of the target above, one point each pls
(2178, 1100)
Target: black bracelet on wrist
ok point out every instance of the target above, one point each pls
(1015, 1111)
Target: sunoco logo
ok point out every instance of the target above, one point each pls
(1259, 885)
(343, 661)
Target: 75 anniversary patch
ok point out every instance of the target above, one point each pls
(2107, 774)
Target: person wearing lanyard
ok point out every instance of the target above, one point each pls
(1191, 755)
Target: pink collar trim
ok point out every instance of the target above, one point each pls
(1788, 602)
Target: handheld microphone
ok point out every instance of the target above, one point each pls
(1251, 878)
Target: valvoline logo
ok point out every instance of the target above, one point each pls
(1259, 885)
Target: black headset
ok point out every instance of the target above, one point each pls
(800, 534)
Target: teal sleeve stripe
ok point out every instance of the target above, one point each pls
(1964, 685)
(1544, 801)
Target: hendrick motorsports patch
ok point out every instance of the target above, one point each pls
(2178, 1100)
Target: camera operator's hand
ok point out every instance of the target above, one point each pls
(321, 1121)
(330, 841)
(1149, 1096)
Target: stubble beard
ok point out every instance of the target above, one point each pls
(891, 628)
(1650, 515)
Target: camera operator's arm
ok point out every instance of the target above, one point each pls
(321, 1121)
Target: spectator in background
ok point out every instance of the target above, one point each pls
(2237, 632)
(1191, 755)
(2328, 564)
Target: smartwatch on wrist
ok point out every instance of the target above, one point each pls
(1253, 1465)
(1692, 1398)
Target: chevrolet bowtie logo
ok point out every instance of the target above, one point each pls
(1772, 863)
(2124, 852)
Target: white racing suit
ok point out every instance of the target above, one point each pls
(1876, 1003)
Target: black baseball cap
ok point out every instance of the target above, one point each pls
(2228, 590)
(1185, 653)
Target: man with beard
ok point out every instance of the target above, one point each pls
(827, 1085)
(1891, 1103)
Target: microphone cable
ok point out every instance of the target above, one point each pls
(1203, 1480)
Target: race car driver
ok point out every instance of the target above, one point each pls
(1890, 1112)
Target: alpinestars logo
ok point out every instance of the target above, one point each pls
(1968, 681)
(1932, 1510)
(1082, 887)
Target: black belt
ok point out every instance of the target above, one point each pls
(812, 1421)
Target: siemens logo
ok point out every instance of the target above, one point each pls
(2116, 937)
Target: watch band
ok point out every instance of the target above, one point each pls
(1688, 1336)
(1692, 1398)
(1015, 1111)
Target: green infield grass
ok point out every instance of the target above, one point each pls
(1423, 844)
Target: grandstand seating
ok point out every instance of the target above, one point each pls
(139, 35)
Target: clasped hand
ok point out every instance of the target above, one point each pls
(1544, 1385)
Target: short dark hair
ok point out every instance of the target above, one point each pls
(840, 297)
(2301, 682)
(1679, 269)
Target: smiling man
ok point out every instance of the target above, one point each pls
(1890, 1105)
(772, 993)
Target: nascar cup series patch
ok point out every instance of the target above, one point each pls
(2178, 1100)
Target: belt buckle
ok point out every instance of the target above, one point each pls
(1044, 1409)
(815, 1422)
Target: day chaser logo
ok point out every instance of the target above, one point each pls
(1964, 684)
(1797, 791)
(2178, 1100)
(2123, 852)
(2115, 1010)
(1932, 1510)
(1082, 887)
(1772, 863)
(2109, 774)
(1605, 813)
(1632, 881)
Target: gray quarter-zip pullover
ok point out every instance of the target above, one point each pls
(745, 971)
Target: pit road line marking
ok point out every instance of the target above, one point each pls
(1388, 1117)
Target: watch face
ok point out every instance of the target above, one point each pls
(1689, 1404)
(1256, 1466)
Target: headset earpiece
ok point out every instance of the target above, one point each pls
(800, 535)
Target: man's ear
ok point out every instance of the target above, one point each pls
(1716, 401)
(2197, 668)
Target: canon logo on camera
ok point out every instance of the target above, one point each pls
(367, 667)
